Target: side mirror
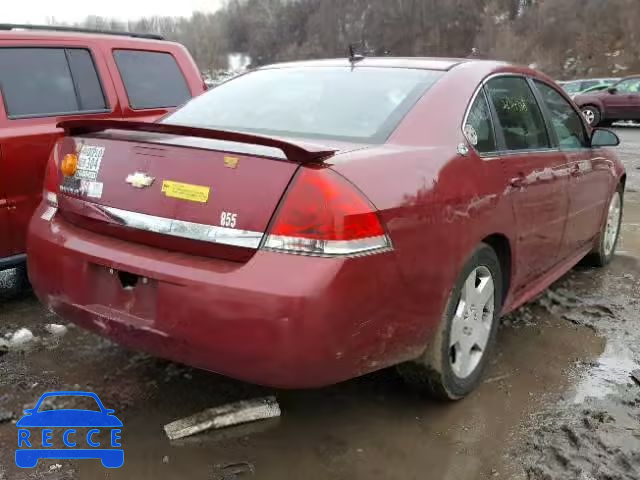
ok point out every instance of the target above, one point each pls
(29, 411)
(601, 137)
(612, 90)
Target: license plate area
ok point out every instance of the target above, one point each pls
(124, 291)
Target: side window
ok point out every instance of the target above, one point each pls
(631, 85)
(564, 119)
(152, 79)
(38, 82)
(520, 118)
(84, 72)
(479, 128)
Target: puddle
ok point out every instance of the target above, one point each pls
(612, 369)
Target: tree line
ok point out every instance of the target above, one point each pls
(564, 38)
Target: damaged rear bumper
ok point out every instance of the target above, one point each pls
(277, 320)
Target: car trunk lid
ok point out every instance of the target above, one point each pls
(196, 191)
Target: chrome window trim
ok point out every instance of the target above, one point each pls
(182, 229)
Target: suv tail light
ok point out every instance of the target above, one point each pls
(323, 214)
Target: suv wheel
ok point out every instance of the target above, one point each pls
(591, 115)
(454, 363)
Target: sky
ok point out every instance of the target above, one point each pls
(37, 11)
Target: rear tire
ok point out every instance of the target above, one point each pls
(592, 115)
(22, 277)
(607, 241)
(455, 361)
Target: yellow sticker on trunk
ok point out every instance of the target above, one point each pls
(186, 191)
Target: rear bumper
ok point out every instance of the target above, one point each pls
(278, 320)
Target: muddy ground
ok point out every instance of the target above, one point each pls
(557, 403)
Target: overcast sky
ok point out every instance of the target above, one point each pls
(37, 11)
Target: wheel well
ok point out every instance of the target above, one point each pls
(502, 247)
(592, 106)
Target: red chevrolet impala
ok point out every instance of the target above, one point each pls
(307, 223)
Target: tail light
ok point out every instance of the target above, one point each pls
(323, 214)
(62, 150)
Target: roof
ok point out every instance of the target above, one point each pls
(28, 32)
(424, 63)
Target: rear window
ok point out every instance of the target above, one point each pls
(362, 104)
(152, 79)
(49, 81)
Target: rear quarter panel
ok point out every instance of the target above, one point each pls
(437, 205)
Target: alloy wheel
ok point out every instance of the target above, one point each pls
(613, 224)
(589, 115)
(472, 323)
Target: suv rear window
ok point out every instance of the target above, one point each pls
(152, 79)
(361, 104)
(49, 81)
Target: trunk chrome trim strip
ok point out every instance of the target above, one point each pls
(182, 229)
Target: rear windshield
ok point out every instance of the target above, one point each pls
(363, 104)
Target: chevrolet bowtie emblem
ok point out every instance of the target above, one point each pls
(140, 180)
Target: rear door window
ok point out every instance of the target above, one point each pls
(39, 82)
(152, 79)
(521, 122)
(89, 88)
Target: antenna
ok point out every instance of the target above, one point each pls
(354, 55)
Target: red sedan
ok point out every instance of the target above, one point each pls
(307, 223)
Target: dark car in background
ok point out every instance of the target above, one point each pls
(48, 74)
(621, 101)
(577, 87)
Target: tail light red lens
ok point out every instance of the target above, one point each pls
(324, 214)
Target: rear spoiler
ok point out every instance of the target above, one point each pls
(293, 151)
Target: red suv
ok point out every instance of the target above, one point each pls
(47, 76)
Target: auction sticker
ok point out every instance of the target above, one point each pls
(89, 162)
(186, 191)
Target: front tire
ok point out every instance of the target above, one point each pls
(592, 115)
(454, 363)
(607, 240)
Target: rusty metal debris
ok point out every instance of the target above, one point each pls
(224, 416)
